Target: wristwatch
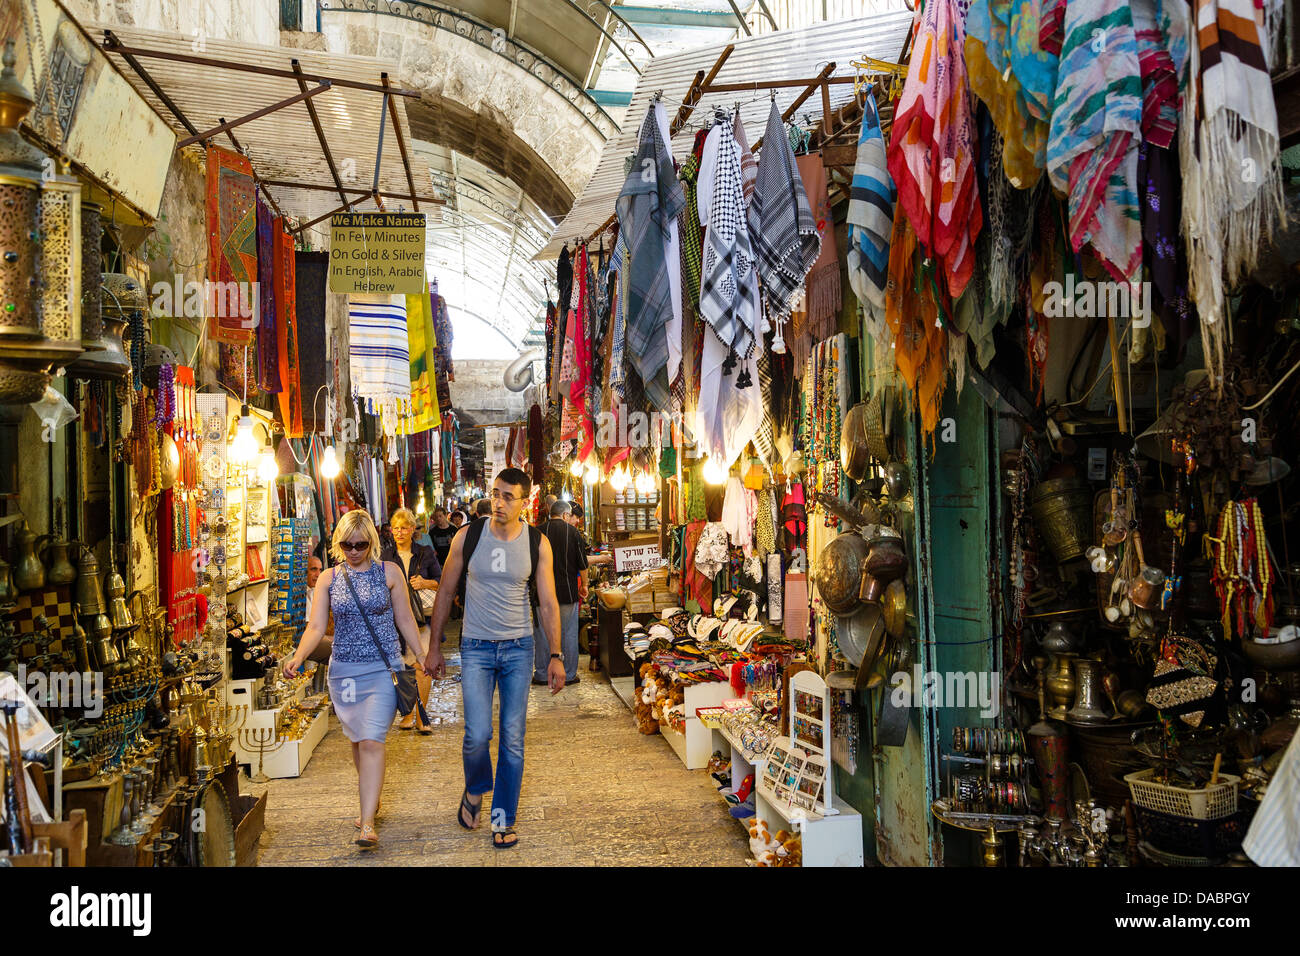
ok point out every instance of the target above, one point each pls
(557, 657)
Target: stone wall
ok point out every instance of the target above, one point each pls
(248, 21)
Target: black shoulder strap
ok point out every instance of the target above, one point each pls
(471, 542)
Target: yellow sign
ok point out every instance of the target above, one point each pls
(377, 252)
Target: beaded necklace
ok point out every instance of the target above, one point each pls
(165, 396)
(1243, 573)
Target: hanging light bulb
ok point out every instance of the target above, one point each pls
(645, 482)
(592, 475)
(267, 467)
(619, 479)
(329, 464)
(714, 473)
(419, 505)
(244, 447)
(576, 468)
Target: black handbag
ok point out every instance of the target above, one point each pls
(408, 692)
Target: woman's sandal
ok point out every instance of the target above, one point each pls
(367, 839)
(356, 824)
(499, 838)
(466, 806)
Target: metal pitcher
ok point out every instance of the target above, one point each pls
(88, 593)
(1089, 704)
(118, 612)
(29, 573)
(61, 570)
(7, 590)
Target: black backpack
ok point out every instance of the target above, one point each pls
(471, 542)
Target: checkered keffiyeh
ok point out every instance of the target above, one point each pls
(692, 235)
(618, 266)
(781, 222)
(727, 280)
(765, 438)
(649, 202)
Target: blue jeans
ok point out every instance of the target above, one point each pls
(568, 644)
(485, 666)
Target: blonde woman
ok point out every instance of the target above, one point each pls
(358, 588)
(419, 565)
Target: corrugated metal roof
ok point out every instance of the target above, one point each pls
(790, 54)
(282, 145)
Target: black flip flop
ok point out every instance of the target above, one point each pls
(501, 844)
(468, 807)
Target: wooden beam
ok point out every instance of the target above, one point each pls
(249, 117)
(113, 45)
(401, 142)
(826, 109)
(287, 184)
(802, 97)
(320, 133)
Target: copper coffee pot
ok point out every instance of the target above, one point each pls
(885, 562)
(88, 593)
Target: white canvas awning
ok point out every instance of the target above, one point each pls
(790, 54)
(199, 84)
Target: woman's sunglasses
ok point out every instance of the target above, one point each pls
(354, 545)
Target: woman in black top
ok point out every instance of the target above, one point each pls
(423, 571)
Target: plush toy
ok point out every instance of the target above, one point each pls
(762, 843)
(791, 852)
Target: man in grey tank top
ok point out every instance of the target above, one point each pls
(496, 646)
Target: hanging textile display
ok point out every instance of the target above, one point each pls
(311, 272)
(1228, 125)
(268, 342)
(781, 225)
(286, 325)
(232, 237)
(647, 208)
(729, 281)
(420, 340)
(870, 223)
(379, 357)
(932, 145)
(825, 297)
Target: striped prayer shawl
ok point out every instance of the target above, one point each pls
(379, 356)
(870, 220)
(649, 202)
(781, 224)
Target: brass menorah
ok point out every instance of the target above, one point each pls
(258, 740)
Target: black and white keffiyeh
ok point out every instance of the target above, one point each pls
(781, 225)
(727, 276)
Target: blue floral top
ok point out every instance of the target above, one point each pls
(352, 641)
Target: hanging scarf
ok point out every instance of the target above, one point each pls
(932, 144)
(285, 276)
(617, 369)
(425, 413)
(268, 363)
(564, 279)
(379, 356)
(748, 165)
(870, 222)
(647, 211)
(825, 298)
(232, 236)
(781, 224)
(728, 278)
(1228, 126)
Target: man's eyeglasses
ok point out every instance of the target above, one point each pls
(504, 496)
(354, 546)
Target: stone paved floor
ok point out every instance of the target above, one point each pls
(596, 793)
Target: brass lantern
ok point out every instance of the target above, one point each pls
(124, 300)
(58, 213)
(104, 356)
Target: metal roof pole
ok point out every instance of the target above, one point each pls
(112, 42)
(401, 142)
(320, 133)
(256, 114)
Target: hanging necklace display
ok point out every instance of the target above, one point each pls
(1243, 569)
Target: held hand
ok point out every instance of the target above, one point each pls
(290, 668)
(583, 591)
(434, 665)
(555, 676)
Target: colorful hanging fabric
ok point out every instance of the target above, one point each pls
(1096, 125)
(647, 211)
(870, 222)
(689, 224)
(911, 312)
(379, 356)
(232, 237)
(420, 344)
(268, 340)
(286, 330)
(1228, 126)
(932, 144)
(617, 358)
(1016, 78)
(825, 298)
(781, 224)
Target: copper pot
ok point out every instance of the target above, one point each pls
(854, 454)
(839, 572)
(1146, 589)
(885, 562)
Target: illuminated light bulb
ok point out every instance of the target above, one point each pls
(564, 494)
(329, 464)
(576, 469)
(243, 448)
(619, 479)
(592, 475)
(714, 474)
(645, 483)
(419, 505)
(267, 467)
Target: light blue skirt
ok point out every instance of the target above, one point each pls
(364, 699)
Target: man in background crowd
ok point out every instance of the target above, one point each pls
(570, 568)
(440, 533)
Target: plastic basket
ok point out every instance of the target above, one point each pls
(1209, 803)
(1186, 837)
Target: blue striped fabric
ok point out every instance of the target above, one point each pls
(871, 215)
(379, 356)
